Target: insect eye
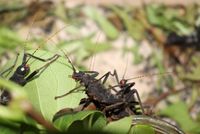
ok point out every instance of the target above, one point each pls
(122, 82)
(23, 70)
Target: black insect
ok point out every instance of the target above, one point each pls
(126, 92)
(98, 94)
(22, 74)
(185, 41)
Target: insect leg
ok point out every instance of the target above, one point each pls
(41, 59)
(71, 91)
(39, 71)
(105, 77)
(10, 68)
(138, 97)
(93, 73)
(112, 106)
(126, 88)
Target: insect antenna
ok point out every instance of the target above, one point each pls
(27, 37)
(126, 67)
(45, 41)
(92, 62)
(149, 75)
(74, 69)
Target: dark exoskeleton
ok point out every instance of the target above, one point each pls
(126, 93)
(22, 74)
(121, 103)
(185, 41)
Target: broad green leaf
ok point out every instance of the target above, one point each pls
(179, 112)
(85, 119)
(121, 126)
(142, 129)
(110, 31)
(53, 81)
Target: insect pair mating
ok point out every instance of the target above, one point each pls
(114, 106)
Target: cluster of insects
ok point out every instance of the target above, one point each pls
(123, 102)
(114, 106)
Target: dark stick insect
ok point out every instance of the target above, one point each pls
(22, 74)
(97, 93)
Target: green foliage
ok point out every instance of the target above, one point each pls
(110, 31)
(134, 27)
(166, 18)
(89, 120)
(182, 116)
(53, 81)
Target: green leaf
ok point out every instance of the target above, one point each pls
(121, 126)
(179, 112)
(53, 81)
(134, 27)
(142, 129)
(110, 31)
(92, 120)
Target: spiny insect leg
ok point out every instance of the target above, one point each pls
(39, 71)
(133, 91)
(76, 89)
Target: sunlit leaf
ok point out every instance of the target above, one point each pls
(53, 81)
